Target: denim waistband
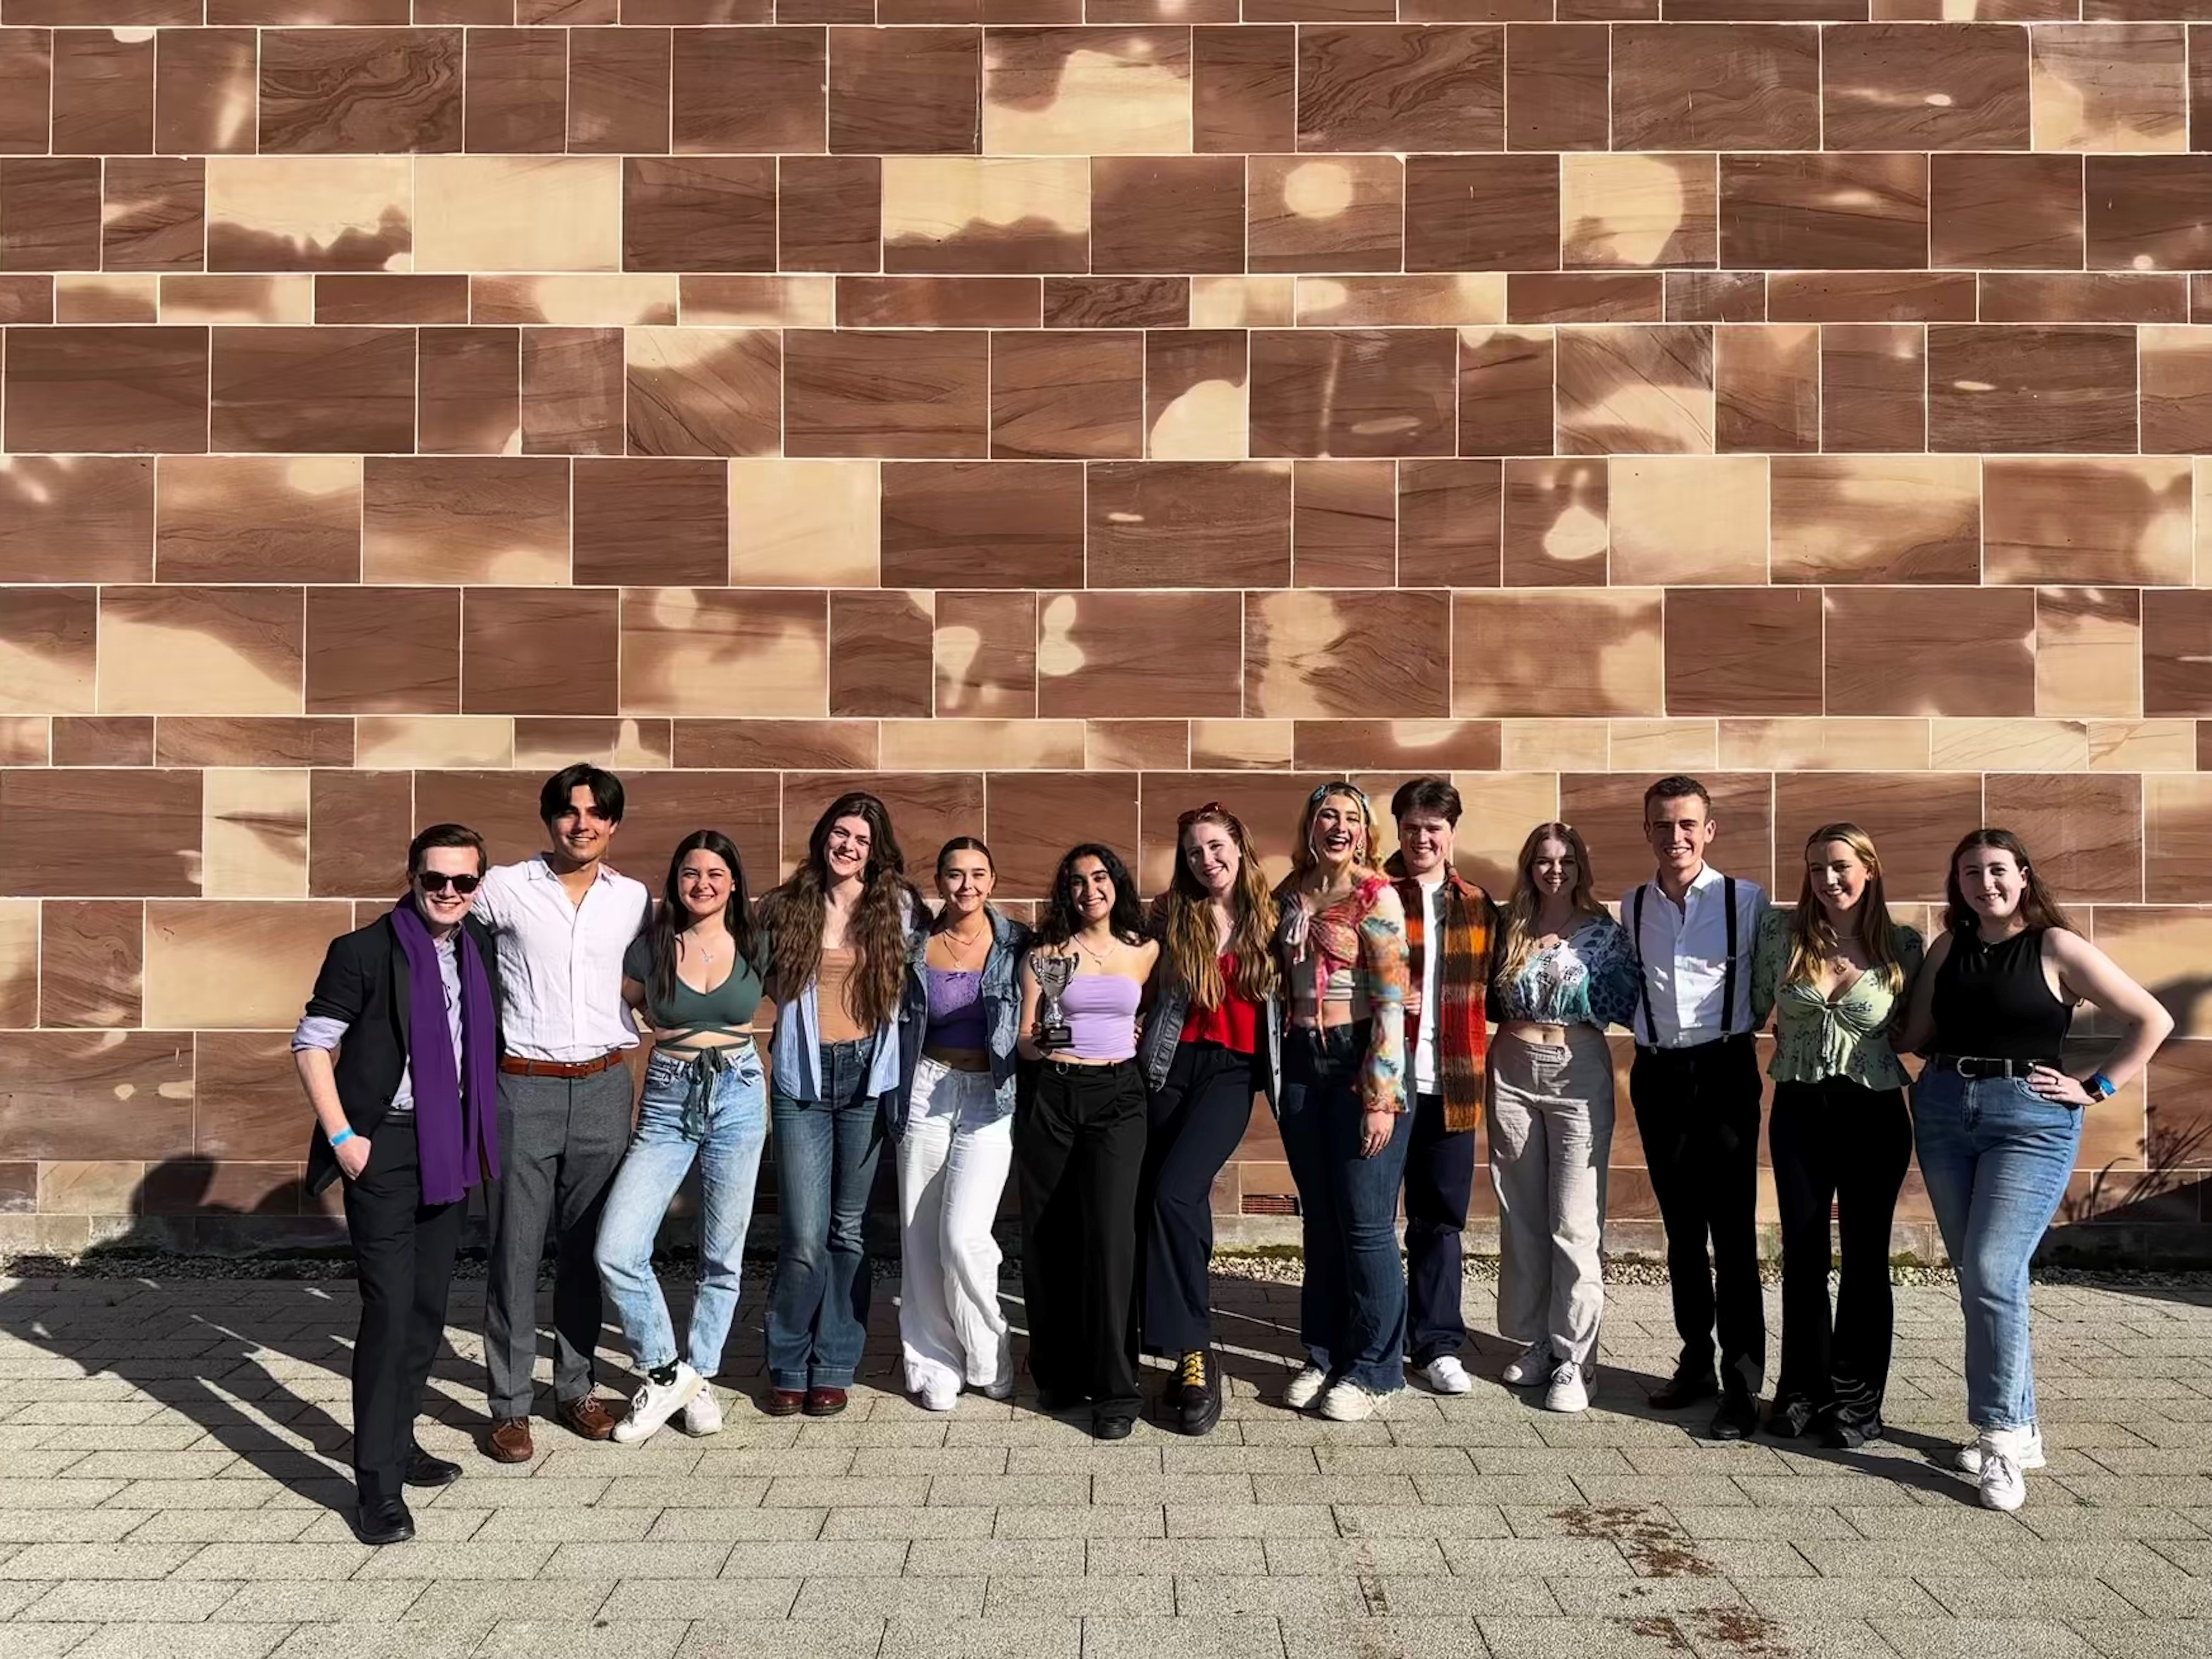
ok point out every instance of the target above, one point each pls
(703, 1069)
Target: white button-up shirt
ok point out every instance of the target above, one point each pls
(560, 963)
(1685, 956)
(1432, 953)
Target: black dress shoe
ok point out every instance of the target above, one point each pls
(1113, 1425)
(424, 1470)
(384, 1521)
(1789, 1419)
(1849, 1434)
(1197, 1394)
(1685, 1388)
(1737, 1417)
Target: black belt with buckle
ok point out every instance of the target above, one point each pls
(1970, 1066)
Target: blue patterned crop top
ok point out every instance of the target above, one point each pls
(1589, 978)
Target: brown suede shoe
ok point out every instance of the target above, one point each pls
(586, 1415)
(783, 1402)
(824, 1402)
(509, 1441)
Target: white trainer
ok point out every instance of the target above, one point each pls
(1536, 1365)
(1001, 1389)
(2004, 1481)
(1568, 1391)
(702, 1413)
(939, 1400)
(1446, 1375)
(1347, 1401)
(1969, 1460)
(655, 1403)
(1305, 1388)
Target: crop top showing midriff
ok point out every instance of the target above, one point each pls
(956, 1009)
(1101, 1016)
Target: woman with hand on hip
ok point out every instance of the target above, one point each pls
(1344, 1124)
(1997, 1117)
(705, 1101)
(955, 1134)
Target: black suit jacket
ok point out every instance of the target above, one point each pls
(365, 982)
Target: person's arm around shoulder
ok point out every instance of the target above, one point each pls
(1615, 976)
(340, 993)
(637, 978)
(1912, 1034)
(2088, 975)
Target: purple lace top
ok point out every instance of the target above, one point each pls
(955, 1008)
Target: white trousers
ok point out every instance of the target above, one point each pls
(1550, 1139)
(952, 1165)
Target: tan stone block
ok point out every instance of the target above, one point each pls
(1687, 519)
(89, 1188)
(254, 839)
(1243, 301)
(1839, 744)
(1664, 746)
(399, 743)
(2088, 652)
(1540, 745)
(1464, 299)
(2001, 746)
(1638, 211)
(493, 213)
(972, 745)
(1499, 810)
(725, 651)
(19, 962)
(1091, 91)
(804, 523)
(575, 301)
(1235, 745)
(201, 651)
(2142, 746)
(309, 212)
(238, 964)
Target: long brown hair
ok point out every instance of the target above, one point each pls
(1528, 903)
(2037, 907)
(792, 915)
(1193, 943)
(1812, 936)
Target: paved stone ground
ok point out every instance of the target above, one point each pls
(170, 1454)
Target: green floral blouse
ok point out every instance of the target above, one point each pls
(1815, 1038)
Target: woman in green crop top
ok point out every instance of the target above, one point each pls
(706, 1099)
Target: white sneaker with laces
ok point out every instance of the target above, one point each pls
(1533, 1366)
(655, 1403)
(702, 1413)
(1446, 1375)
(935, 1400)
(1568, 1391)
(1969, 1460)
(1305, 1388)
(2004, 1482)
(1347, 1401)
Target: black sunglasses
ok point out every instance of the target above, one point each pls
(436, 881)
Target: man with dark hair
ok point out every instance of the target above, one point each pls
(1695, 1087)
(406, 1113)
(1451, 929)
(561, 921)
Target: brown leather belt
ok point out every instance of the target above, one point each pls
(516, 1066)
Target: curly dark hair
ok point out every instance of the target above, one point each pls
(1127, 919)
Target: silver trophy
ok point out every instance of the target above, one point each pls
(1053, 973)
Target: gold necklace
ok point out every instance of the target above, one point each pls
(1093, 955)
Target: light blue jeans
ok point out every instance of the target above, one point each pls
(1995, 1156)
(725, 1138)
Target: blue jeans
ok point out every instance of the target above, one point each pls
(726, 1141)
(825, 1166)
(1352, 1311)
(1995, 1156)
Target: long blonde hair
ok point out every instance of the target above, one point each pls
(1303, 856)
(1528, 903)
(1188, 932)
(1812, 938)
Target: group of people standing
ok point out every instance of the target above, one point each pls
(1108, 1063)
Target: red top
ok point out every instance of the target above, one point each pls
(1235, 1024)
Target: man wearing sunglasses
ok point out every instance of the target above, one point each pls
(407, 1113)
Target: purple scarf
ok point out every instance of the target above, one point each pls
(456, 1123)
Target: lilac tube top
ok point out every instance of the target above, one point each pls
(1101, 1014)
(956, 1009)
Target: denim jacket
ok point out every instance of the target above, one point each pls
(1163, 1034)
(795, 1051)
(1002, 1013)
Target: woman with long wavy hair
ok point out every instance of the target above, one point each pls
(1080, 1143)
(835, 944)
(1564, 972)
(1212, 1039)
(1838, 970)
(1344, 1114)
(1996, 1114)
(689, 973)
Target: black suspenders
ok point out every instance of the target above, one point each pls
(1728, 972)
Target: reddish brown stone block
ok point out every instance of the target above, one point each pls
(108, 390)
(103, 91)
(2177, 670)
(384, 651)
(468, 391)
(1076, 394)
(318, 389)
(651, 522)
(76, 518)
(103, 740)
(880, 653)
(517, 90)
(26, 69)
(1607, 807)
(2087, 833)
(1873, 385)
(1921, 651)
(1842, 212)
(1344, 213)
(1556, 516)
(204, 91)
(2040, 389)
(58, 1091)
(1556, 82)
(1353, 392)
(905, 92)
(985, 653)
(572, 392)
(49, 212)
(618, 95)
(699, 213)
(1035, 817)
(1915, 819)
(1140, 656)
(101, 833)
(1169, 213)
(91, 962)
(1160, 523)
(892, 394)
(1715, 87)
(754, 91)
(314, 82)
(1506, 391)
(1449, 523)
(988, 525)
(1482, 212)
(1923, 85)
(259, 518)
(1343, 524)
(527, 651)
(1404, 87)
(704, 391)
(2146, 212)
(1243, 86)
(1743, 651)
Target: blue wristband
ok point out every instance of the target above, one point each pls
(2102, 1086)
(340, 1139)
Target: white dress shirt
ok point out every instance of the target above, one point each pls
(1432, 952)
(560, 963)
(1685, 956)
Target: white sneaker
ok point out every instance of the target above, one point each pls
(655, 1403)
(939, 1400)
(1446, 1375)
(1533, 1366)
(1305, 1388)
(2004, 1482)
(1969, 1460)
(1347, 1401)
(1568, 1392)
(702, 1413)
(1001, 1389)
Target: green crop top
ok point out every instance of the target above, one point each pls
(728, 1007)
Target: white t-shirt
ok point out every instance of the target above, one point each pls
(1432, 952)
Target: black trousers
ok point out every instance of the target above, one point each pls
(1841, 1143)
(1079, 1154)
(404, 1258)
(1696, 1113)
(1196, 1124)
(1439, 1185)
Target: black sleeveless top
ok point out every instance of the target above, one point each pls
(1994, 1002)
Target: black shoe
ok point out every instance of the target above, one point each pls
(1197, 1394)
(1112, 1425)
(1790, 1419)
(384, 1521)
(1737, 1417)
(424, 1470)
(1685, 1388)
(1061, 1400)
(1849, 1434)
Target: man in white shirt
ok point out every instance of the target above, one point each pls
(1696, 1088)
(561, 921)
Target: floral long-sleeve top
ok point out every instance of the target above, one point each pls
(1355, 952)
(1848, 1035)
(1589, 978)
